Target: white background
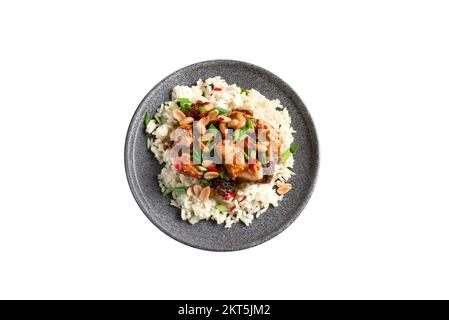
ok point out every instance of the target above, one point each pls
(374, 75)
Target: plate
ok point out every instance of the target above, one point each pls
(142, 168)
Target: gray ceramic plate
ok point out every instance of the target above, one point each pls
(142, 168)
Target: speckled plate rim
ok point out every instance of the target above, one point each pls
(136, 190)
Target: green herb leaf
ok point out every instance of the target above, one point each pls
(202, 110)
(222, 110)
(250, 124)
(204, 182)
(201, 168)
(243, 90)
(221, 208)
(294, 148)
(245, 155)
(167, 191)
(147, 118)
(158, 120)
(180, 190)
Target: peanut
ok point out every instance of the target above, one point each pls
(211, 175)
(208, 107)
(204, 195)
(224, 119)
(213, 115)
(197, 189)
(204, 121)
(186, 121)
(233, 124)
(284, 188)
(223, 128)
(207, 136)
(207, 163)
(178, 115)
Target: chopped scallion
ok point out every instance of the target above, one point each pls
(185, 104)
(180, 190)
(221, 208)
(167, 191)
(286, 155)
(222, 110)
(289, 152)
(250, 124)
(213, 129)
(239, 134)
(184, 100)
(147, 118)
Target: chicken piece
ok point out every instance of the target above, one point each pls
(234, 170)
(239, 116)
(182, 138)
(188, 169)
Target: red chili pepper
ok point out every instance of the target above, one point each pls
(243, 199)
(232, 208)
(217, 89)
(178, 166)
(229, 196)
(213, 168)
(201, 115)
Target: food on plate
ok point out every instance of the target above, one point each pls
(226, 151)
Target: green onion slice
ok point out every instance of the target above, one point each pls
(213, 129)
(250, 124)
(167, 191)
(286, 155)
(221, 208)
(184, 100)
(180, 190)
(222, 110)
(147, 118)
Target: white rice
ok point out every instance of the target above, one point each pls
(258, 196)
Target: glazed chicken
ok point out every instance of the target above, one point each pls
(234, 153)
